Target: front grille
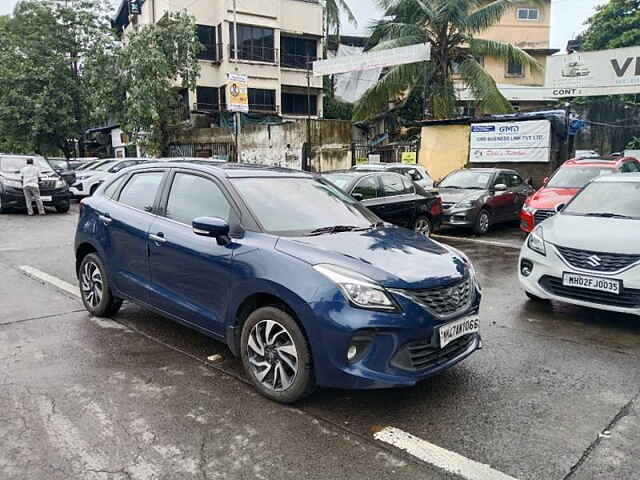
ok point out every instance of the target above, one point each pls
(597, 261)
(423, 355)
(628, 298)
(445, 302)
(47, 184)
(541, 215)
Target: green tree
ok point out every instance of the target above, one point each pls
(614, 25)
(43, 49)
(156, 63)
(332, 13)
(451, 28)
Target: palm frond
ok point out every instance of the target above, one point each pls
(487, 15)
(483, 87)
(503, 51)
(399, 80)
(397, 42)
(342, 5)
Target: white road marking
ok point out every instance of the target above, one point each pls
(56, 282)
(474, 240)
(439, 457)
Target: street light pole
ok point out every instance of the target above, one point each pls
(308, 152)
(235, 58)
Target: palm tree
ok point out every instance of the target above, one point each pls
(450, 26)
(333, 23)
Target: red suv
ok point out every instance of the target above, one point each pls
(566, 182)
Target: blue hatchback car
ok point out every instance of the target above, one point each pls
(307, 286)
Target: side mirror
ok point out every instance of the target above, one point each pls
(500, 187)
(358, 196)
(545, 181)
(436, 184)
(212, 227)
(560, 207)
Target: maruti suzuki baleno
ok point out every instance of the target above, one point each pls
(302, 282)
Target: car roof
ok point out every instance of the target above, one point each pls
(611, 162)
(618, 177)
(230, 170)
(383, 166)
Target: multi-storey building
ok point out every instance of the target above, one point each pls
(277, 40)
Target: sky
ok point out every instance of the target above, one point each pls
(567, 17)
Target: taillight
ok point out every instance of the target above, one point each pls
(436, 208)
(81, 207)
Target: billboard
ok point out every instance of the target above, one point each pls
(378, 59)
(238, 93)
(605, 72)
(521, 141)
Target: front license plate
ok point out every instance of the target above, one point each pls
(591, 283)
(46, 199)
(454, 330)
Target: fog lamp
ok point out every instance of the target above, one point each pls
(526, 267)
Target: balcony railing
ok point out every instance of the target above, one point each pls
(212, 53)
(292, 60)
(254, 54)
(222, 107)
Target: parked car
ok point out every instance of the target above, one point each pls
(477, 198)
(89, 165)
(392, 197)
(70, 164)
(89, 180)
(565, 183)
(64, 169)
(601, 269)
(54, 191)
(417, 173)
(299, 279)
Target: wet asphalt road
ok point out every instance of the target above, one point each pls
(554, 394)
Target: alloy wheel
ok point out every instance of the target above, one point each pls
(91, 284)
(272, 355)
(423, 227)
(484, 222)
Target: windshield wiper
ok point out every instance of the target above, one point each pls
(606, 215)
(455, 187)
(334, 229)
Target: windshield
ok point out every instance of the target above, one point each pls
(58, 163)
(87, 166)
(467, 179)
(15, 164)
(300, 206)
(341, 180)
(607, 199)
(576, 177)
(103, 167)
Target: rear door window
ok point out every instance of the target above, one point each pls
(393, 185)
(514, 180)
(141, 190)
(367, 187)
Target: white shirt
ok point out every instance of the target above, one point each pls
(30, 175)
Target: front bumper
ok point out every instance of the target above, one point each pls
(14, 197)
(384, 362)
(459, 217)
(78, 189)
(545, 281)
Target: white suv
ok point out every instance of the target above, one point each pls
(88, 181)
(589, 254)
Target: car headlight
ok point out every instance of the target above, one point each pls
(465, 204)
(536, 241)
(60, 183)
(361, 291)
(528, 209)
(13, 183)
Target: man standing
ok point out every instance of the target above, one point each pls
(30, 176)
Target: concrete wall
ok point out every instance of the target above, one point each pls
(523, 33)
(444, 148)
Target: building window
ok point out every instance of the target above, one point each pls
(297, 52)
(254, 43)
(208, 99)
(207, 37)
(262, 100)
(514, 69)
(297, 104)
(528, 14)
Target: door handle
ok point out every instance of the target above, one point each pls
(158, 238)
(106, 219)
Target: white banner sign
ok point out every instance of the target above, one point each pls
(378, 59)
(606, 72)
(523, 141)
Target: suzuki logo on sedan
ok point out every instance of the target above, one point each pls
(594, 261)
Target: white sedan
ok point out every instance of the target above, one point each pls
(589, 254)
(88, 181)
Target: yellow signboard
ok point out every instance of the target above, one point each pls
(237, 93)
(410, 158)
(361, 161)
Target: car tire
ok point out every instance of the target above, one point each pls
(423, 226)
(63, 207)
(482, 223)
(276, 356)
(94, 288)
(535, 298)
